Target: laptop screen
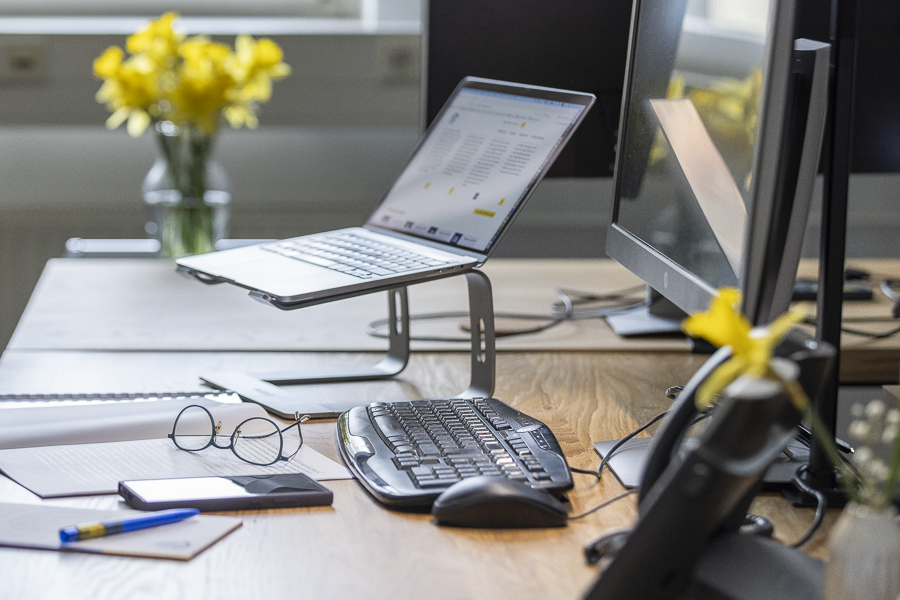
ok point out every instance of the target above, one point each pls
(478, 162)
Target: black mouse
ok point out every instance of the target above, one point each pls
(497, 503)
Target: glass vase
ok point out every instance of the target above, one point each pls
(864, 555)
(187, 193)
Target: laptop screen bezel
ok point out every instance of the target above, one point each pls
(513, 89)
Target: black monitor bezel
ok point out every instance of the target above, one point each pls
(683, 288)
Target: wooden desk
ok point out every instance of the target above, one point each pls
(144, 306)
(356, 548)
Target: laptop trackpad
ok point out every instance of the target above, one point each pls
(284, 277)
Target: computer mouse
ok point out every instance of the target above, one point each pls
(497, 503)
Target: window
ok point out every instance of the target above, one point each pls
(287, 8)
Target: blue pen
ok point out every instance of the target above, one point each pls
(86, 531)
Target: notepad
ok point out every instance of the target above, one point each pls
(34, 423)
(50, 451)
(92, 469)
(37, 526)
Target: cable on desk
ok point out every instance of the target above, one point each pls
(671, 393)
(605, 503)
(885, 285)
(860, 332)
(620, 443)
(563, 310)
(820, 506)
(580, 298)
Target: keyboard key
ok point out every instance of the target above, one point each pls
(429, 450)
(389, 427)
(434, 483)
(367, 257)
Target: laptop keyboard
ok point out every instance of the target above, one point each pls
(407, 453)
(353, 255)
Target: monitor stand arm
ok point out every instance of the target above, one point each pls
(260, 386)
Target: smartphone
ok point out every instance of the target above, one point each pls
(225, 493)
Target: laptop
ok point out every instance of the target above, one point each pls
(467, 179)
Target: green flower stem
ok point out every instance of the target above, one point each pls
(188, 226)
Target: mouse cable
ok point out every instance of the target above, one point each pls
(564, 310)
(820, 506)
(605, 462)
(671, 394)
(604, 504)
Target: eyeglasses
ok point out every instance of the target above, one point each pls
(257, 440)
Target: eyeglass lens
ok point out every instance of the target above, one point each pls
(194, 429)
(257, 440)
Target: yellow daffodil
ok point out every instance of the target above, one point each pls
(239, 114)
(751, 348)
(129, 89)
(190, 81)
(257, 65)
(205, 85)
(158, 40)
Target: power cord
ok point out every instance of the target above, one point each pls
(671, 393)
(862, 333)
(604, 504)
(580, 298)
(564, 309)
(886, 285)
(821, 503)
(606, 458)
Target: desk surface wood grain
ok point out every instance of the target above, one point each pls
(143, 305)
(357, 548)
(134, 326)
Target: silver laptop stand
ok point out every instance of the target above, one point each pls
(262, 387)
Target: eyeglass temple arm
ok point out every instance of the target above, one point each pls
(297, 420)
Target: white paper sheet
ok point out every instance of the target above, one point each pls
(89, 469)
(112, 422)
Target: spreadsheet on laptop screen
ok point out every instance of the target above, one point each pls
(477, 164)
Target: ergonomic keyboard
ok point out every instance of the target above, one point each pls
(407, 453)
(352, 254)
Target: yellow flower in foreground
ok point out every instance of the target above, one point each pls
(751, 348)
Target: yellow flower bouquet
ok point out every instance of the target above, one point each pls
(185, 88)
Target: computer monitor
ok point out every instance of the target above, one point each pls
(566, 44)
(875, 137)
(721, 128)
